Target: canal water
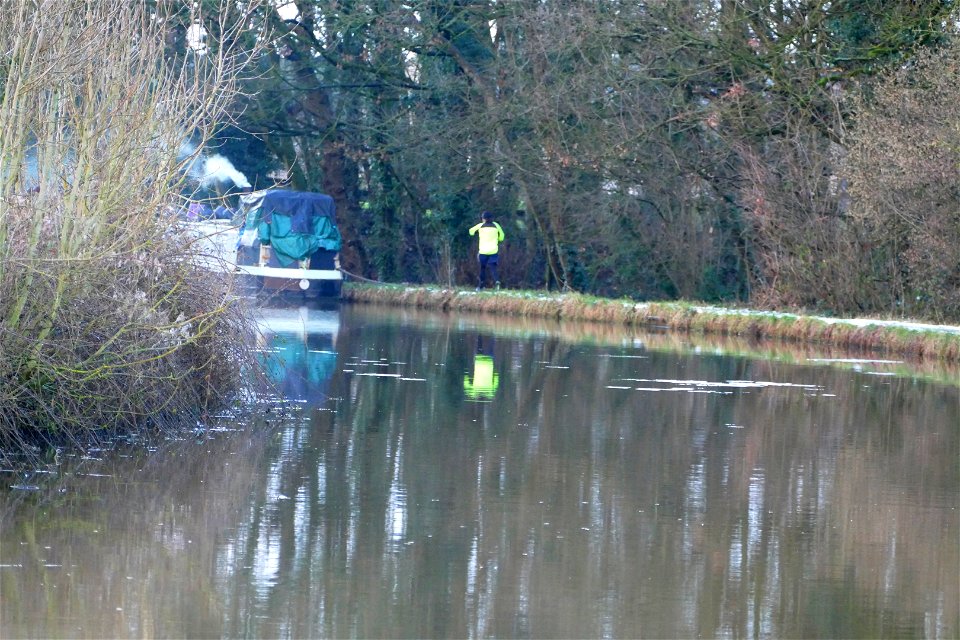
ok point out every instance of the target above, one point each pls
(427, 476)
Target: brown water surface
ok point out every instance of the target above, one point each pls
(436, 476)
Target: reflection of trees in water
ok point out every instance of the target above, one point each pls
(566, 508)
(129, 554)
(563, 508)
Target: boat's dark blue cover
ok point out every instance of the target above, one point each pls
(301, 206)
(295, 223)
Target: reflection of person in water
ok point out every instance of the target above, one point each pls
(483, 385)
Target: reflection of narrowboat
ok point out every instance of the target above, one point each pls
(297, 350)
(288, 241)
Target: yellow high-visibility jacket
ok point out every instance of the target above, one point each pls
(491, 235)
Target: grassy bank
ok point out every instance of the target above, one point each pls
(906, 339)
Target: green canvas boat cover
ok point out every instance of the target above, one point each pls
(294, 223)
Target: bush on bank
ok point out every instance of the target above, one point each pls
(136, 340)
(105, 322)
(674, 315)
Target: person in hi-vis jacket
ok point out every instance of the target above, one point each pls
(491, 235)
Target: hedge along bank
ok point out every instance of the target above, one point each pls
(889, 336)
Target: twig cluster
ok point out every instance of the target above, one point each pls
(105, 321)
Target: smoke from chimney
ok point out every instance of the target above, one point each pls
(218, 168)
(209, 169)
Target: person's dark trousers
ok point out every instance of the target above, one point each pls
(487, 261)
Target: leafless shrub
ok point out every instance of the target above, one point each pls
(104, 322)
(904, 169)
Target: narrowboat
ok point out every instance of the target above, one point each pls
(278, 241)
